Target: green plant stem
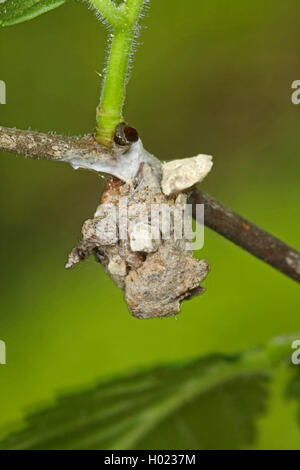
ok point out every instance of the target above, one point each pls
(109, 11)
(109, 112)
(133, 8)
(110, 109)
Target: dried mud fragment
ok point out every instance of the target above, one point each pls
(156, 275)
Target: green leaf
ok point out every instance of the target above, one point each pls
(293, 389)
(212, 402)
(17, 11)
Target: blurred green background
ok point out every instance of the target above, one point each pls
(210, 76)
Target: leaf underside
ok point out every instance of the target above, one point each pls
(209, 403)
(17, 11)
(212, 402)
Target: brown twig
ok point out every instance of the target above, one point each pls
(48, 146)
(218, 217)
(248, 236)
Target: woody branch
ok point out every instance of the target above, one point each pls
(221, 219)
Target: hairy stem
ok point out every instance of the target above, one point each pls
(34, 144)
(123, 21)
(110, 110)
(133, 8)
(109, 11)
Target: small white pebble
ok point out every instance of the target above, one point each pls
(116, 266)
(179, 175)
(141, 238)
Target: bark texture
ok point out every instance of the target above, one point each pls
(248, 236)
